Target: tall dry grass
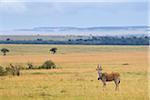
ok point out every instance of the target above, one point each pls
(76, 79)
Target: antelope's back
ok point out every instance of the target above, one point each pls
(116, 74)
(111, 76)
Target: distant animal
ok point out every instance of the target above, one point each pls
(108, 77)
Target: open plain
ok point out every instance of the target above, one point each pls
(76, 75)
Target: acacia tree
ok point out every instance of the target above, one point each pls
(4, 51)
(53, 50)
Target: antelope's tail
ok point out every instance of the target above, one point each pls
(119, 82)
(119, 79)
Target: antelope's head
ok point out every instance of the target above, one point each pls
(99, 69)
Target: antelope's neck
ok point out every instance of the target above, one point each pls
(100, 74)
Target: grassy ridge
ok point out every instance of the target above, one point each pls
(63, 49)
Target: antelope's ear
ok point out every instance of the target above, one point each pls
(98, 66)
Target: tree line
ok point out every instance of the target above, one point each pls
(92, 40)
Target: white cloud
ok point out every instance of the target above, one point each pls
(20, 6)
(86, 0)
(16, 6)
(74, 0)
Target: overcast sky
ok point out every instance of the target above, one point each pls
(16, 15)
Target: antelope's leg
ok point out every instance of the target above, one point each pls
(116, 87)
(117, 84)
(104, 84)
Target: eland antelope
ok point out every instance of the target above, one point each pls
(108, 77)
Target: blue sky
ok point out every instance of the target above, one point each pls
(16, 15)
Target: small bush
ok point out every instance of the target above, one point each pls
(14, 70)
(48, 65)
(63, 91)
(30, 65)
(2, 71)
(9, 71)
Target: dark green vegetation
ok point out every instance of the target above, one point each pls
(13, 70)
(48, 65)
(53, 50)
(86, 40)
(2, 71)
(4, 51)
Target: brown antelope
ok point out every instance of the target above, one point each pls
(105, 77)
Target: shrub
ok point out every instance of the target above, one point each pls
(48, 65)
(9, 71)
(2, 71)
(14, 70)
(30, 65)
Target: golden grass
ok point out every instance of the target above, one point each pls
(77, 77)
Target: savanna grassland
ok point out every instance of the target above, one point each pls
(76, 76)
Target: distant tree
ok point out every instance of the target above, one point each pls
(94, 37)
(53, 50)
(8, 39)
(79, 39)
(4, 51)
(134, 37)
(146, 37)
(39, 39)
(69, 40)
(85, 40)
(122, 37)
